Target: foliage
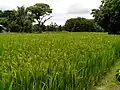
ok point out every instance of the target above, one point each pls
(54, 27)
(57, 61)
(40, 11)
(17, 20)
(35, 28)
(21, 20)
(108, 15)
(3, 21)
(5, 16)
(82, 25)
(118, 75)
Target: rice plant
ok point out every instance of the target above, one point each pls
(56, 61)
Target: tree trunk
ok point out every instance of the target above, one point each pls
(39, 27)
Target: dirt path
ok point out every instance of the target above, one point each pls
(109, 82)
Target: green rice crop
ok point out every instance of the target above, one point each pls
(56, 61)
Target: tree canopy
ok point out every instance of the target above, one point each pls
(39, 12)
(108, 15)
(82, 25)
(21, 20)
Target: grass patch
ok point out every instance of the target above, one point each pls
(109, 81)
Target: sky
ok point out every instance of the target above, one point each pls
(62, 9)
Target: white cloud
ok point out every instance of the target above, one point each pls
(62, 9)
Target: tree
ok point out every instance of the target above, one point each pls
(3, 18)
(40, 11)
(108, 15)
(23, 20)
(82, 25)
(17, 20)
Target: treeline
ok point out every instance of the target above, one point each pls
(53, 27)
(22, 19)
(106, 18)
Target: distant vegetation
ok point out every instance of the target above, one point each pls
(82, 25)
(21, 20)
(106, 18)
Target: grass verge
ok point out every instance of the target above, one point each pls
(109, 81)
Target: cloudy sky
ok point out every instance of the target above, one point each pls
(62, 9)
